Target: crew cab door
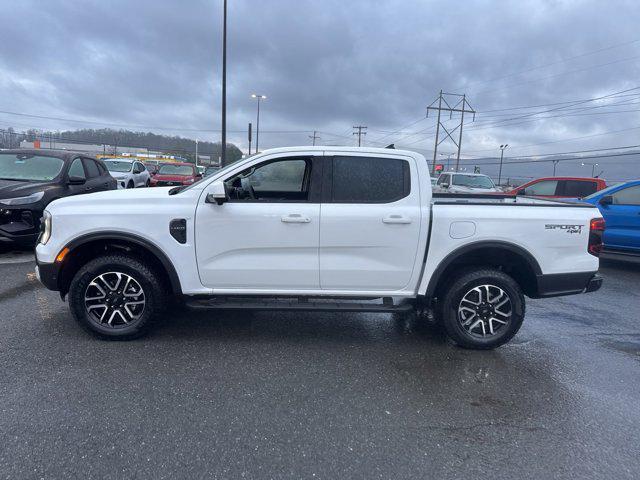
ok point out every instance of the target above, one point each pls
(622, 219)
(265, 236)
(370, 223)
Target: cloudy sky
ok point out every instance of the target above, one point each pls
(326, 65)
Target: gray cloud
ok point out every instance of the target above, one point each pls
(325, 65)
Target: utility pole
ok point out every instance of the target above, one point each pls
(258, 97)
(555, 162)
(359, 133)
(249, 135)
(223, 156)
(196, 152)
(314, 137)
(502, 147)
(462, 106)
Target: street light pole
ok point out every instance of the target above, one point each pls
(502, 147)
(223, 156)
(448, 155)
(258, 97)
(593, 167)
(196, 152)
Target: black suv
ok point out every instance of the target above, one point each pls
(31, 179)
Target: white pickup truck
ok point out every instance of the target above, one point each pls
(317, 228)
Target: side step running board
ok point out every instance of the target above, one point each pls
(228, 303)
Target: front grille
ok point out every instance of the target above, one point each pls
(165, 183)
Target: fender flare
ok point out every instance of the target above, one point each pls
(471, 247)
(138, 240)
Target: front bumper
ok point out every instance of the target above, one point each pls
(19, 226)
(48, 274)
(556, 285)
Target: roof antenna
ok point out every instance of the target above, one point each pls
(391, 146)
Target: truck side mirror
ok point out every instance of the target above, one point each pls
(522, 191)
(444, 185)
(606, 200)
(217, 193)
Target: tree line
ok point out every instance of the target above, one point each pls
(118, 140)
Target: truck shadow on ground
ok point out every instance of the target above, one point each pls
(296, 326)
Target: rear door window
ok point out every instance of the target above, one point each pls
(91, 167)
(577, 188)
(369, 180)
(628, 196)
(546, 187)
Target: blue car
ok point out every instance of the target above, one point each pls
(620, 207)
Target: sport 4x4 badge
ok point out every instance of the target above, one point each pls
(567, 228)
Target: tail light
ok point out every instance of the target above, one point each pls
(596, 229)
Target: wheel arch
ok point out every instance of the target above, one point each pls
(87, 246)
(509, 257)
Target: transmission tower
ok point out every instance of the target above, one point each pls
(460, 105)
(359, 133)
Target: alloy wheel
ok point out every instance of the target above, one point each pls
(114, 299)
(485, 311)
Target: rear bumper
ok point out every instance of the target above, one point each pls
(561, 284)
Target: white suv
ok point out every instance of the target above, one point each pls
(128, 173)
(465, 183)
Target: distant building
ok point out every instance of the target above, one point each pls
(80, 147)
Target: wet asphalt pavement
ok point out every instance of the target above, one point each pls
(298, 395)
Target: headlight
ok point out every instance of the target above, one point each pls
(45, 228)
(33, 198)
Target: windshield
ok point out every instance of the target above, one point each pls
(169, 169)
(27, 167)
(117, 166)
(601, 192)
(473, 181)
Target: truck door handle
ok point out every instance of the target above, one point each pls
(295, 218)
(395, 218)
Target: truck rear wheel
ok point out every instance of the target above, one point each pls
(116, 297)
(482, 309)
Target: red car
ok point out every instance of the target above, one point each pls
(560, 187)
(171, 174)
(152, 168)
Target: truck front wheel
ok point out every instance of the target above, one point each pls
(482, 309)
(116, 296)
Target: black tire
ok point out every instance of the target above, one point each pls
(154, 291)
(462, 285)
(130, 184)
(148, 183)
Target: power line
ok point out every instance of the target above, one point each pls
(611, 132)
(574, 159)
(571, 152)
(592, 52)
(559, 74)
(148, 127)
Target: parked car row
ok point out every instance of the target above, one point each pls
(31, 179)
